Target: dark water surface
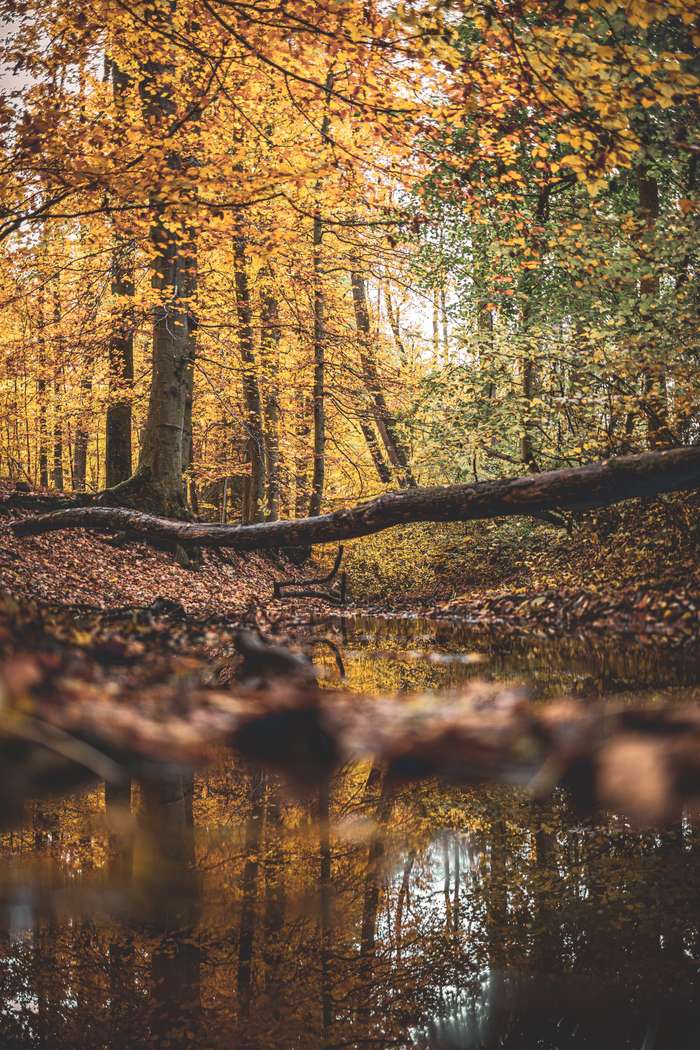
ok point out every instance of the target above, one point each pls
(228, 913)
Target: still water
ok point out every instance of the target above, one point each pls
(226, 912)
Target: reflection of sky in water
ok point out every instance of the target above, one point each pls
(447, 919)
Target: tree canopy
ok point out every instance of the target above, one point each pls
(263, 259)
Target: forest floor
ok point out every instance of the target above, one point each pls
(631, 571)
(89, 570)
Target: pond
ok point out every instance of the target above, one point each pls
(225, 911)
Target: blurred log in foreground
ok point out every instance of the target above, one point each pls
(56, 730)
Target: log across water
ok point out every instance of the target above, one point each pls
(577, 488)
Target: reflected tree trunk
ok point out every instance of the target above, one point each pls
(172, 887)
(246, 936)
(275, 896)
(324, 885)
(403, 900)
(121, 954)
(370, 905)
(548, 940)
(497, 901)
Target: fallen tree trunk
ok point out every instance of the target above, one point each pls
(577, 488)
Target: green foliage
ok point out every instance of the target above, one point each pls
(643, 540)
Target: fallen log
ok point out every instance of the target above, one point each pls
(576, 488)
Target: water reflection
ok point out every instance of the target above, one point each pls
(219, 911)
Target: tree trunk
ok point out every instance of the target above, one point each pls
(43, 434)
(436, 326)
(157, 483)
(380, 464)
(393, 316)
(57, 399)
(445, 325)
(161, 458)
(251, 391)
(303, 431)
(319, 404)
(189, 292)
(269, 346)
(118, 461)
(576, 488)
(81, 446)
(527, 366)
(386, 424)
(319, 316)
(362, 324)
(41, 387)
(654, 400)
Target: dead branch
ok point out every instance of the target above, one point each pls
(306, 588)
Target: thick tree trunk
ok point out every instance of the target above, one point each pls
(161, 460)
(386, 424)
(577, 488)
(189, 292)
(157, 482)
